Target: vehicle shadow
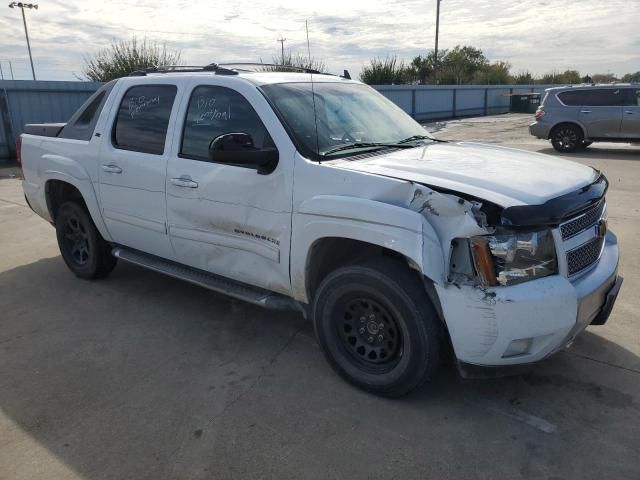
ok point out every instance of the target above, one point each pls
(143, 376)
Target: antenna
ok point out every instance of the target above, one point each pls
(313, 91)
(306, 26)
(282, 40)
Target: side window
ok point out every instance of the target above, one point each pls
(573, 98)
(143, 118)
(632, 97)
(213, 111)
(608, 97)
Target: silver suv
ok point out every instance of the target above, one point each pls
(574, 117)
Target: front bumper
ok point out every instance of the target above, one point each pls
(543, 315)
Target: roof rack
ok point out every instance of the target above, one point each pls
(268, 67)
(230, 69)
(212, 67)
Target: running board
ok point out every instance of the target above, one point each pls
(226, 286)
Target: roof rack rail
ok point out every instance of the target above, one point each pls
(212, 67)
(271, 67)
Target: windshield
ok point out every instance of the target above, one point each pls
(347, 115)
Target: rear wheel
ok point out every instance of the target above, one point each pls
(567, 138)
(377, 327)
(584, 145)
(82, 247)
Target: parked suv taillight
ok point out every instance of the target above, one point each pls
(19, 154)
(539, 113)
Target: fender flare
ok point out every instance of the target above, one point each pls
(333, 216)
(75, 175)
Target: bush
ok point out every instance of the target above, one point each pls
(126, 56)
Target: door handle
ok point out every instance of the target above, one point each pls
(111, 168)
(629, 112)
(585, 111)
(184, 182)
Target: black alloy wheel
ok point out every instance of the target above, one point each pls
(566, 138)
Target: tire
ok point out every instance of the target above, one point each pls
(567, 138)
(82, 247)
(584, 145)
(400, 326)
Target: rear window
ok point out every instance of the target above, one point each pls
(143, 118)
(603, 97)
(83, 122)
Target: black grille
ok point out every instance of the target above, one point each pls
(581, 223)
(580, 258)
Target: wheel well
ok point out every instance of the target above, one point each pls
(59, 192)
(328, 254)
(562, 124)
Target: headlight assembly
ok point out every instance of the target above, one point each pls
(509, 258)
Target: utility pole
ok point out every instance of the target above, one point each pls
(435, 60)
(22, 6)
(282, 40)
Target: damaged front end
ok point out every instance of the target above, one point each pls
(495, 314)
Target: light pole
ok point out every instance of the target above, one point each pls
(435, 60)
(22, 6)
(282, 40)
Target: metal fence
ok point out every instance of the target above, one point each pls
(437, 102)
(27, 101)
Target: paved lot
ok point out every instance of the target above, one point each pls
(141, 376)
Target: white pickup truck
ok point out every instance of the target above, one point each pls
(314, 192)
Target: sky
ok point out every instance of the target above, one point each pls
(592, 36)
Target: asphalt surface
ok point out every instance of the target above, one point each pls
(141, 376)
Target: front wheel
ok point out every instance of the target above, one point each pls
(567, 138)
(377, 327)
(82, 247)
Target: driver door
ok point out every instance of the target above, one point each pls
(222, 218)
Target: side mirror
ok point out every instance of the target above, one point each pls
(237, 149)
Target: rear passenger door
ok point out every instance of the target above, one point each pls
(133, 164)
(631, 114)
(601, 112)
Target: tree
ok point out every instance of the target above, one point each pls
(571, 77)
(385, 71)
(567, 77)
(523, 78)
(631, 77)
(422, 68)
(125, 56)
(604, 78)
(496, 73)
(460, 65)
(297, 61)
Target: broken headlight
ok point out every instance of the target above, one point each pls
(509, 258)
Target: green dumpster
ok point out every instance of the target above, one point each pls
(525, 102)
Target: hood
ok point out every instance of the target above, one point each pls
(504, 176)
